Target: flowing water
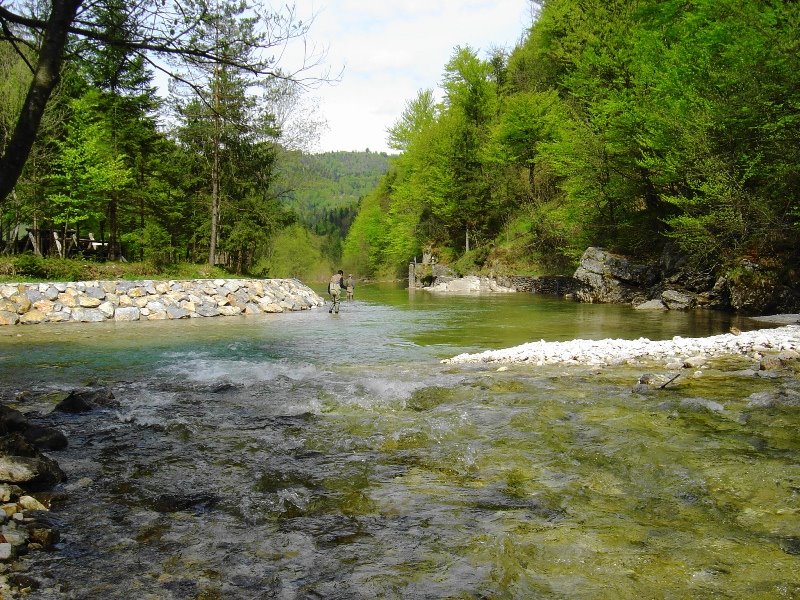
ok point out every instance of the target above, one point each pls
(311, 455)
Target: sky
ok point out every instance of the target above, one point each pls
(387, 51)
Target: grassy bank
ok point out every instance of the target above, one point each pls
(30, 268)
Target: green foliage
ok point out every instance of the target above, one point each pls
(364, 246)
(419, 114)
(38, 268)
(614, 123)
(152, 242)
(30, 265)
(324, 189)
(295, 252)
(87, 169)
(13, 87)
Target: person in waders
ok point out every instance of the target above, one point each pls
(350, 284)
(334, 289)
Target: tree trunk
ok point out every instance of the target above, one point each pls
(215, 175)
(45, 79)
(212, 247)
(113, 230)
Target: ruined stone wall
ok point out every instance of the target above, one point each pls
(550, 285)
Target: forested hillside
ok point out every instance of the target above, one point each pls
(324, 189)
(324, 192)
(629, 124)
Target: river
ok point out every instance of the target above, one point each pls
(311, 455)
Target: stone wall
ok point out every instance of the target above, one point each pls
(96, 301)
(549, 285)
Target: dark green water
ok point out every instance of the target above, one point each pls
(319, 456)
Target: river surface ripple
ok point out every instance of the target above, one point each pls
(319, 456)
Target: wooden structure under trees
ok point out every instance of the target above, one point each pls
(62, 243)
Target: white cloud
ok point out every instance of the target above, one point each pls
(391, 50)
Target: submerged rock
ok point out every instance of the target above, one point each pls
(47, 438)
(782, 397)
(81, 401)
(175, 502)
(697, 404)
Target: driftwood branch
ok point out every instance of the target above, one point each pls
(661, 387)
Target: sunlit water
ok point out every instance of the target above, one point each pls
(312, 455)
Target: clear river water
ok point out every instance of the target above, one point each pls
(311, 455)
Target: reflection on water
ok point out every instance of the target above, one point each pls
(319, 456)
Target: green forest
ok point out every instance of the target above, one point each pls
(635, 125)
(96, 163)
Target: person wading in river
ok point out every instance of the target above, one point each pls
(350, 284)
(334, 289)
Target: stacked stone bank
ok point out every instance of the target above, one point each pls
(96, 301)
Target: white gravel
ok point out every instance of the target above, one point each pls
(618, 351)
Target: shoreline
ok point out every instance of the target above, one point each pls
(608, 352)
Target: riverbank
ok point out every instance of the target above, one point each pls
(97, 301)
(673, 353)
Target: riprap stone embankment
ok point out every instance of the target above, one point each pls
(618, 351)
(96, 301)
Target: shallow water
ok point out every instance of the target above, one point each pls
(312, 455)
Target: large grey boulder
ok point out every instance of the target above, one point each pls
(611, 278)
(676, 300)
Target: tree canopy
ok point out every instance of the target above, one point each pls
(166, 181)
(632, 124)
(165, 34)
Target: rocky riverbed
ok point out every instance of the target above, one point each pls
(214, 479)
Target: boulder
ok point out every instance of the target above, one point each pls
(9, 491)
(32, 317)
(33, 473)
(127, 313)
(8, 317)
(654, 304)
(107, 308)
(176, 312)
(89, 302)
(95, 291)
(88, 315)
(675, 300)
(46, 438)
(12, 420)
(80, 401)
(611, 278)
(207, 310)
